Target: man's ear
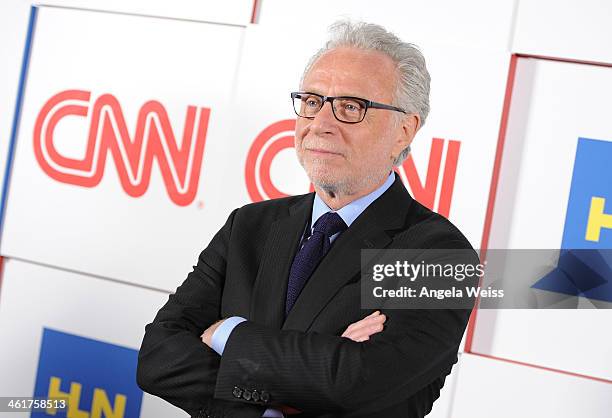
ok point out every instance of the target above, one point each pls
(409, 125)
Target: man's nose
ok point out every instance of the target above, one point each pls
(325, 121)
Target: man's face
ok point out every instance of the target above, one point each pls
(349, 158)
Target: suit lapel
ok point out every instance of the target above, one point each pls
(270, 288)
(343, 261)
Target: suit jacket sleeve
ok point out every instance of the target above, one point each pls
(315, 372)
(173, 362)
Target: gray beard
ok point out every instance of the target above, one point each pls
(330, 189)
(345, 188)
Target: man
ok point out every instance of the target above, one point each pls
(270, 319)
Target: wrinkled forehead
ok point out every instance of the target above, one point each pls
(352, 72)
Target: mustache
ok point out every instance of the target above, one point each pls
(318, 146)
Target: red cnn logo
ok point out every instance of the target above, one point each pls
(154, 137)
(279, 136)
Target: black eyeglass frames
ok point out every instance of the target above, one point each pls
(346, 109)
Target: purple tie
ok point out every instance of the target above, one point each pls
(308, 257)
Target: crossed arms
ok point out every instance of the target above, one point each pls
(308, 371)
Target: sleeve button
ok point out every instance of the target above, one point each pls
(246, 394)
(255, 396)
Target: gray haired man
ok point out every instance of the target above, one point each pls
(270, 322)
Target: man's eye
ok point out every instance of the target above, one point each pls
(352, 107)
(312, 102)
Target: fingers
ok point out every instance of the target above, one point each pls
(362, 330)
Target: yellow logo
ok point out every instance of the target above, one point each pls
(597, 219)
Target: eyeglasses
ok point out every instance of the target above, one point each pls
(346, 109)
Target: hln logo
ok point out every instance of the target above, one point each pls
(108, 133)
(585, 261)
(588, 221)
(97, 378)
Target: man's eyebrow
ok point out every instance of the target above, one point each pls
(316, 91)
(313, 91)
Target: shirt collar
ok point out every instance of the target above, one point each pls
(351, 211)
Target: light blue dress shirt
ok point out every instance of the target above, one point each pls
(348, 214)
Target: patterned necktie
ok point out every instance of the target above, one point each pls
(308, 257)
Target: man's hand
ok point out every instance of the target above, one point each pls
(361, 330)
(206, 337)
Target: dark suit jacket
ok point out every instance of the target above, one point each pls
(302, 361)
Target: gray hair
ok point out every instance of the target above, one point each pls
(412, 91)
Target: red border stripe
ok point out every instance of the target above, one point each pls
(255, 11)
(493, 189)
(549, 369)
(572, 61)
